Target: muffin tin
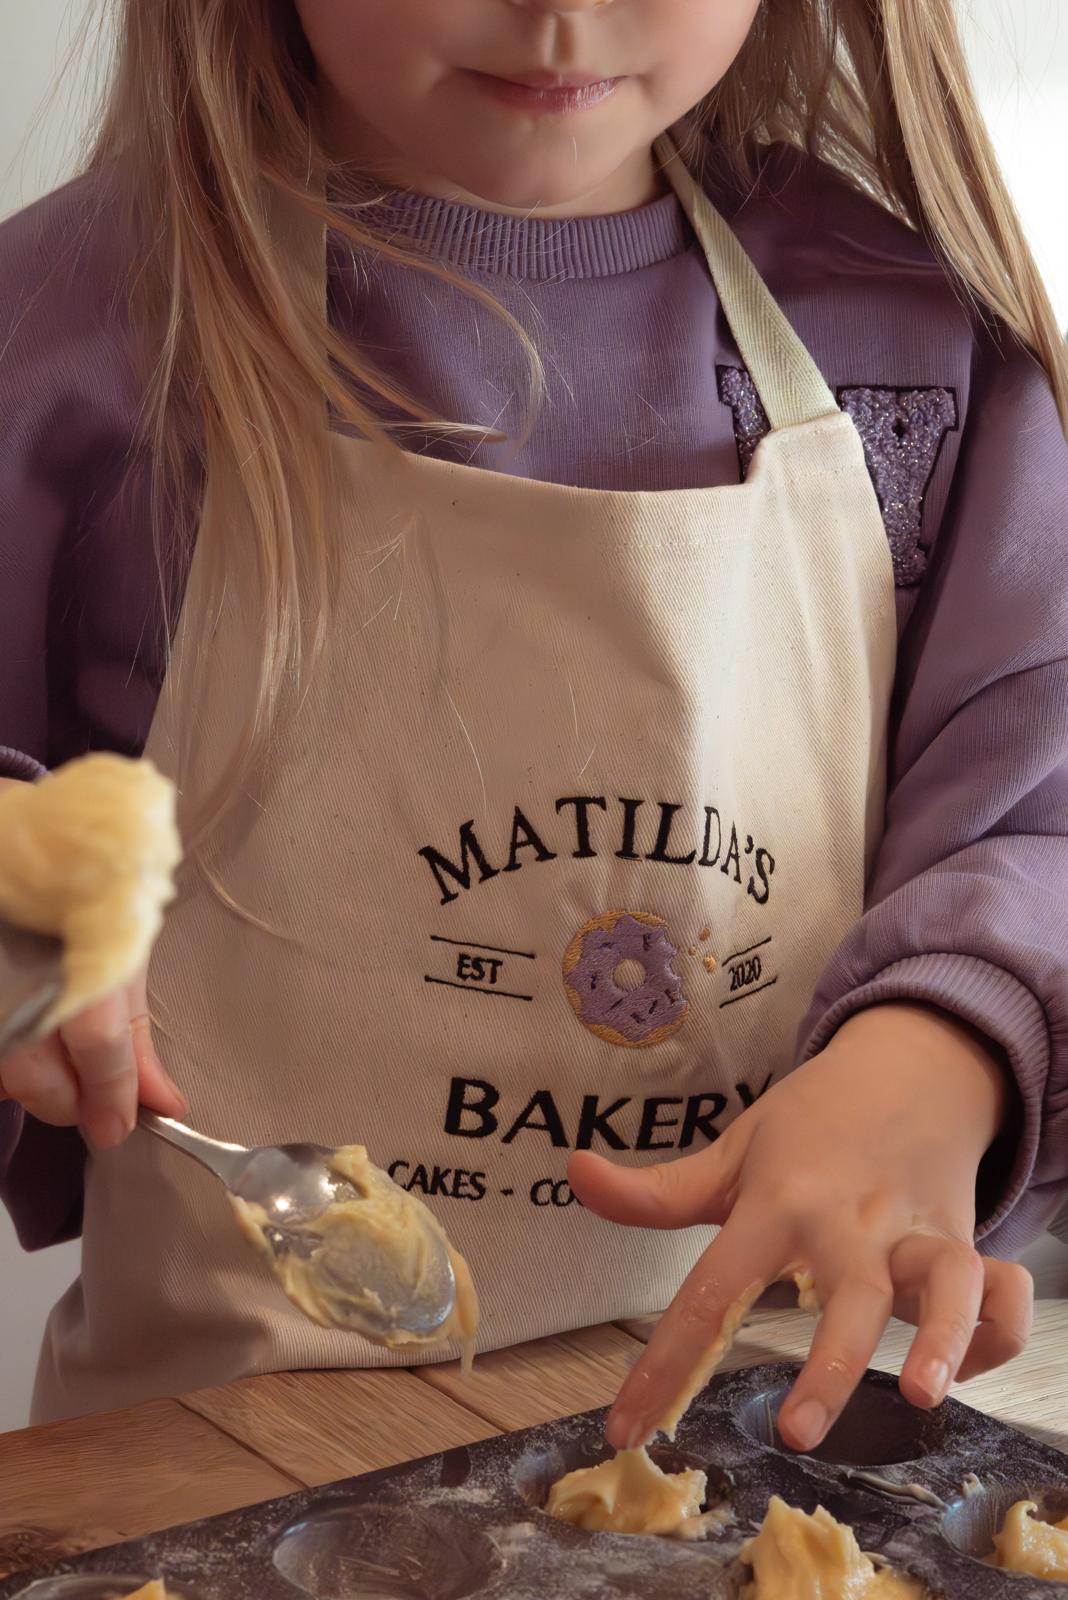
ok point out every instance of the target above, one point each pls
(469, 1523)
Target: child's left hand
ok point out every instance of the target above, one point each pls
(861, 1165)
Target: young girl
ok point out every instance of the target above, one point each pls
(610, 457)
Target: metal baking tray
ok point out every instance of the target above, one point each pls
(468, 1524)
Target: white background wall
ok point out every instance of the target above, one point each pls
(1019, 50)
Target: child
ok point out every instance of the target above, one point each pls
(614, 669)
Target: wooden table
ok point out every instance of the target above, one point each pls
(79, 1485)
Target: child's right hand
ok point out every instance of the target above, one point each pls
(95, 1071)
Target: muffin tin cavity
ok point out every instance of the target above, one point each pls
(539, 1468)
(878, 1428)
(971, 1522)
(385, 1552)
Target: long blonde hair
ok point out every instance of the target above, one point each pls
(211, 109)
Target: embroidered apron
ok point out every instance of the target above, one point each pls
(575, 807)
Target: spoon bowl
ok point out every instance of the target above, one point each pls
(292, 1185)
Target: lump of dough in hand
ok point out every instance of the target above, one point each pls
(1027, 1544)
(801, 1557)
(630, 1494)
(88, 856)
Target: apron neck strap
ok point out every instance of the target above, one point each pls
(790, 385)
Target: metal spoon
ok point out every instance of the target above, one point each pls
(31, 981)
(293, 1184)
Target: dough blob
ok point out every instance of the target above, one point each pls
(399, 1223)
(807, 1298)
(1027, 1544)
(156, 1590)
(801, 1557)
(88, 855)
(630, 1494)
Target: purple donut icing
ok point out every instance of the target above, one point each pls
(632, 1013)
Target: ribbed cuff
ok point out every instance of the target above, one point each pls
(16, 764)
(997, 1005)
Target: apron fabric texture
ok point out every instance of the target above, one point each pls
(575, 807)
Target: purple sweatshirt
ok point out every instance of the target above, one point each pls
(645, 391)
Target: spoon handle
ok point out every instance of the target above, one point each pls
(226, 1161)
(31, 981)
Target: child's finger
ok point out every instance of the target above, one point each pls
(100, 1046)
(156, 1088)
(746, 1256)
(952, 1276)
(669, 1194)
(850, 1326)
(1004, 1319)
(42, 1080)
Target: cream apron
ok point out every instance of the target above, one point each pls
(576, 806)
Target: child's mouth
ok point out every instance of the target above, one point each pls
(547, 92)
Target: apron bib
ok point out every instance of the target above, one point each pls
(578, 802)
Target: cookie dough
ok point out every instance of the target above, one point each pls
(89, 856)
(800, 1557)
(698, 1378)
(156, 1590)
(314, 1275)
(1027, 1544)
(630, 1494)
(807, 1298)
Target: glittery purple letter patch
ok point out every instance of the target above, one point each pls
(902, 432)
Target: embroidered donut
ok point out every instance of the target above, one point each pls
(632, 1015)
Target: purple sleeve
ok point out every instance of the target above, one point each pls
(80, 611)
(79, 595)
(966, 909)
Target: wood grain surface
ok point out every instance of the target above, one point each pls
(321, 1426)
(78, 1485)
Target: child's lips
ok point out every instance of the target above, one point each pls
(548, 92)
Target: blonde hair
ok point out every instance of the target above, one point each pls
(211, 111)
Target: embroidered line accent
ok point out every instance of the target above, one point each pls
(493, 949)
(748, 951)
(475, 988)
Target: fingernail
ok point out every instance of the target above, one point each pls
(808, 1424)
(933, 1379)
(107, 1129)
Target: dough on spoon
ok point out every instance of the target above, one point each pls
(398, 1223)
(800, 1557)
(1027, 1544)
(88, 855)
(156, 1590)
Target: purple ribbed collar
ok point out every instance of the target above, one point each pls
(534, 248)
